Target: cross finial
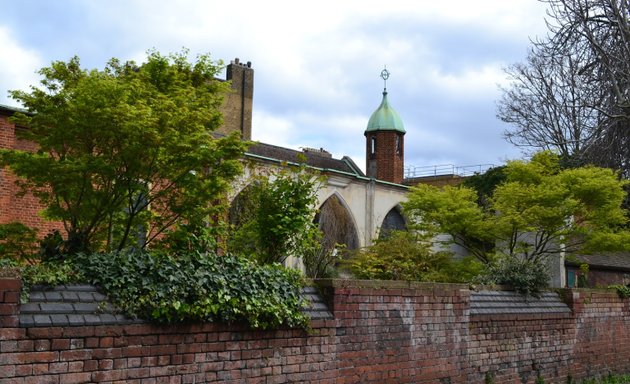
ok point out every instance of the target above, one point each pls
(385, 76)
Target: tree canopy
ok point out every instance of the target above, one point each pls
(537, 211)
(125, 154)
(571, 94)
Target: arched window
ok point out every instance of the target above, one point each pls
(394, 221)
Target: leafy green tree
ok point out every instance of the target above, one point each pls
(17, 242)
(125, 154)
(273, 218)
(538, 211)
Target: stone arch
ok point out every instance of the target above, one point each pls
(242, 206)
(336, 222)
(393, 221)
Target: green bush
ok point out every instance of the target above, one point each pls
(408, 256)
(527, 277)
(197, 287)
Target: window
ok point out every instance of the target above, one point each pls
(373, 145)
(398, 145)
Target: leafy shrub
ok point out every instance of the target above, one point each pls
(272, 218)
(406, 255)
(622, 290)
(528, 277)
(197, 287)
(17, 241)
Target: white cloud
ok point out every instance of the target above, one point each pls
(18, 66)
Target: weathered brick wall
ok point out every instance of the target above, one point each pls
(24, 209)
(382, 332)
(386, 163)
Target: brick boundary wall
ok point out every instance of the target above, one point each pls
(382, 332)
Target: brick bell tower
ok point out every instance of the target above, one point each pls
(385, 145)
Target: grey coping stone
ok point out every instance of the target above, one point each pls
(79, 305)
(85, 307)
(107, 318)
(59, 319)
(37, 296)
(92, 319)
(53, 296)
(27, 321)
(508, 302)
(30, 308)
(56, 307)
(76, 320)
(42, 320)
(70, 296)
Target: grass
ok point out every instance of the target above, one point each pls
(610, 379)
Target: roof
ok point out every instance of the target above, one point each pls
(615, 261)
(317, 159)
(11, 110)
(385, 118)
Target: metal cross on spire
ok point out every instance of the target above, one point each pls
(385, 76)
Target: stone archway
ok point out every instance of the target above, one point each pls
(393, 221)
(337, 224)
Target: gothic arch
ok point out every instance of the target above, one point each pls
(393, 221)
(337, 223)
(242, 206)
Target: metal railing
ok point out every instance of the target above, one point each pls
(445, 170)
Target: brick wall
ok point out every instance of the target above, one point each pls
(386, 163)
(382, 332)
(24, 209)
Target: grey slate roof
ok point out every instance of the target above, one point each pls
(615, 261)
(510, 302)
(78, 305)
(273, 152)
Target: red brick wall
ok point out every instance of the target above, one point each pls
(382, 332)
(386, 163)
(24, 209)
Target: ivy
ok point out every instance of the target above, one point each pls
(622, 290)
(196, 287)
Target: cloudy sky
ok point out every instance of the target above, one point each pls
(316, 63)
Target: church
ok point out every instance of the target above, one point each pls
(353, 207)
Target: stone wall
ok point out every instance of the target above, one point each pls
(381, 332)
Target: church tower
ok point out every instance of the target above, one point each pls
(385, 145)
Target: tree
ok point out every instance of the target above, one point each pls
(273, 217)
(539, 210)
(572, 95)
(125, 154)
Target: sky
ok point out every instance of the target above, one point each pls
(317, 64)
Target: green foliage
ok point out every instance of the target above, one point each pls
(408, 256)
(622, 290)
(273, 218)
(528, 277)
(539, 210)
(49, 273)
(17, 241)
(609, 379)
(197, 287)
(321, 262)
(114, 142)
(485, 184)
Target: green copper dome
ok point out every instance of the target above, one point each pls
(385, 118)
